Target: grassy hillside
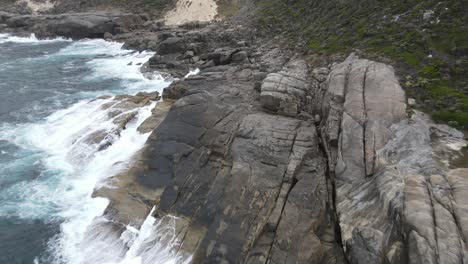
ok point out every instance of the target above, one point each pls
(427, 40)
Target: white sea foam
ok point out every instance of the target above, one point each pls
(72, 170)
(70, 177)
(192, 73)
(154, 243)
(32, 39)
(83, 238)
(89, 47)
(80, 208)
(127, 68)
(113, 62)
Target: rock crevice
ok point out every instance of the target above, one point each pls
(263, 158)
(270, 178)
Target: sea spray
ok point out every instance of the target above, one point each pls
(155, 243)
(81, 171)
(49, 144)
(31, 39)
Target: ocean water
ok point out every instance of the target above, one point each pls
(48, 91)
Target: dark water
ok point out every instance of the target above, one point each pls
(38, 78)
(33, 83)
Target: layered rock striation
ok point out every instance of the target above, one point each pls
(266, 158)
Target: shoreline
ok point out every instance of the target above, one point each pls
(127, 208)
(263, 148)
(88, 133)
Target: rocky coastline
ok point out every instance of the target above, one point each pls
(264, 157)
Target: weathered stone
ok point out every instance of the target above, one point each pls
(108, 36)
(240, 56)
(174, 91)
(4, 16)
(73, 25)
(158, 115)
(284, 92)
(171, 45)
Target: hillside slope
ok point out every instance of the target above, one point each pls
(426, 40)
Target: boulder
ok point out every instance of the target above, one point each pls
(171, 45)
(396, 196)
(240, 56)
(81, 26)
(76, 25)
(17, 21)
(285, 92)
(129, 21)
(4, 16)
(174, 91)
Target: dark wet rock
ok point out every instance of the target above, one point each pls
(108, 36)
(174, 91)
(239, 57)
(159, 112)
(171, 45)
(80, 27)
(121, 110)
(76, 25)
(165, 35)
(4, 16)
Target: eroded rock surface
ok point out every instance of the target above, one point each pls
(286, 92)
(267, 160)
(393, 198)
(264, 158)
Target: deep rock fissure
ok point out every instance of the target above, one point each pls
(331, 205)
(364, 125)
(431, 197)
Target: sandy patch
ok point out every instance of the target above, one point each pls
(191, 10)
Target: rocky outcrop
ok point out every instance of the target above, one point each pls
(317, 166)
(180, 49)
(240, 176)
(76, 25)
(4, 16)
(393, 199)
(263, 158)
(287, 91)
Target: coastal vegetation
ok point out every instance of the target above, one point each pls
(427, 42)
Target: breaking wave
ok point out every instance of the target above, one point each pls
(67, 170)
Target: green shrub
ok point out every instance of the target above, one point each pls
(461, 119)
